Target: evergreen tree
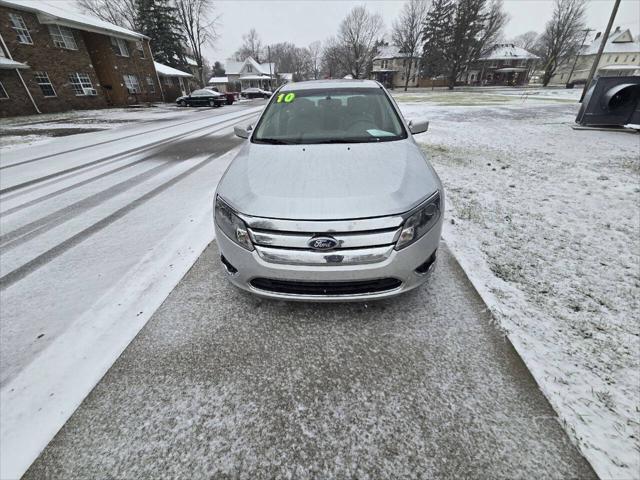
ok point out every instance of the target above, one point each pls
(437, 37)
(218, 70)
(458, 32)
(159, 21)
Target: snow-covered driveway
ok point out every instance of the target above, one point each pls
(95, 230)
(220, 384)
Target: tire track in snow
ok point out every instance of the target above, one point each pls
(44, 258)
(46, 223)
(42, 157)
(115, 170)
(118, 155)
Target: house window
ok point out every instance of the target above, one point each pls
(140, 48)
(80, 81)
(151, 85)
(615, 60)
(119, 47)
(62, 37)
(42, 79)
(131, 82)
(3, 92)
(22, 32)
(249, 68)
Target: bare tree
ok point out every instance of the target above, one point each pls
(561, 37)
(357, 35)
(315, 57)
(251, 47)
(407, 33)
(199, 28)
(332, 58)
(118, 12)
(526, 40)
(494, 20)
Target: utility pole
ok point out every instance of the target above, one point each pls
(586, 33)
(270, 73)
(605, 37)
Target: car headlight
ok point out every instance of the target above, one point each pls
(420, 221)
(232, 225)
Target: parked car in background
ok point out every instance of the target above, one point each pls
(205, 97)
(255, 92)
(230, 96)
(330, 199)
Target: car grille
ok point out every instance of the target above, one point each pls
(326, 288)
(358, 242)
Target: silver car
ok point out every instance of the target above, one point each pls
(330, 199)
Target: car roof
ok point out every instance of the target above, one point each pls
(330, 84)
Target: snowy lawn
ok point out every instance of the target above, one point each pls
(486, 96)
(545, 221)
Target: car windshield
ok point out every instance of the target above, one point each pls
(346, 115)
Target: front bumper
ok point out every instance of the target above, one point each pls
(400, 265)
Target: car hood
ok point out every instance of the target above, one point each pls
(328, 181)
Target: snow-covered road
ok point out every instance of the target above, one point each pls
(92, 227)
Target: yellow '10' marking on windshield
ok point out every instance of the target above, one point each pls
(288, 98)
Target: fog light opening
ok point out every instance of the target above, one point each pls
(426, 266)
(231, 270)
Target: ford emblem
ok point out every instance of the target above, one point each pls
(322, 243)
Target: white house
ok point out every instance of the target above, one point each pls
(241, 75)
(621, 56)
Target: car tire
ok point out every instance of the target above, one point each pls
(182, 103)
(212, 103)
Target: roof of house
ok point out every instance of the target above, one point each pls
(232, 67)
(265, 68)
(52, 14)
(218, 80)
(390, 51)
(619, 41)
(167, 71)
(508, 51)
(8, 64)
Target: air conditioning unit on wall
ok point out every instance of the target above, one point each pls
(91, 92)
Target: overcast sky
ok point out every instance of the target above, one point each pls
(304, 21)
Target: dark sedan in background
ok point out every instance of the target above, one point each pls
(202, 98)
(254, 92)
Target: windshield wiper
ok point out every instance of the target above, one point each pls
(274, 141)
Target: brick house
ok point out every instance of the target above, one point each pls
(69, 61)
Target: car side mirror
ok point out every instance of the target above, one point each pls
(243, 132)
(419, 125)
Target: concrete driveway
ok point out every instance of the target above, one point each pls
(220, 384)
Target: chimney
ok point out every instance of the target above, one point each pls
(617, 29)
